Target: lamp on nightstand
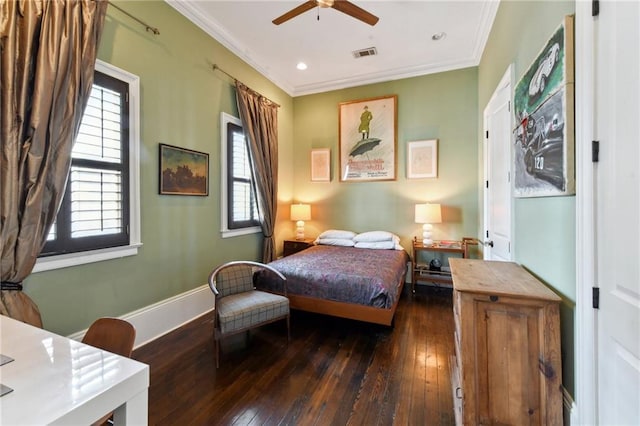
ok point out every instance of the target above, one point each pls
(428, 214)
(300, 213)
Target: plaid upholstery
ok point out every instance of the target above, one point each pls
(235, 279)
(249, 309)
(239, 306)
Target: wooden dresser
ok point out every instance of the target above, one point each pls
(507, 367)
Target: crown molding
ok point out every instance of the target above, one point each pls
(192, 12)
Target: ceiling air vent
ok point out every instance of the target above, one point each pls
(369, 51)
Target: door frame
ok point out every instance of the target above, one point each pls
(586, 317)
(507, 79)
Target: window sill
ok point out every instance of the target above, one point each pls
(228, 233)
(75, 259)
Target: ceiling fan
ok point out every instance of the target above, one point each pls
(343, 6)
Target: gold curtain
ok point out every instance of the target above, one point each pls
(260, 122)
(48, 58)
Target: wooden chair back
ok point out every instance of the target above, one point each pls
(111, 334)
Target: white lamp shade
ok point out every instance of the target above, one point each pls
(428, 213)
(300, 212)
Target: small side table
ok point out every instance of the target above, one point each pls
(422, 273)
(294, 246)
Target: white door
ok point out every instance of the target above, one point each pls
(497, 173)
(617, 111)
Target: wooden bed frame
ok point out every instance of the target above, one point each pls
(354, 311)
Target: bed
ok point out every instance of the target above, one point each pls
(364, 284)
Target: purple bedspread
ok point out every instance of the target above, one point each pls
(344, 274)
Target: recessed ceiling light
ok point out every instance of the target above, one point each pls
(301, 66)
(438, 36)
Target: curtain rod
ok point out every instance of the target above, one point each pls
(147, 26)
(216, 67)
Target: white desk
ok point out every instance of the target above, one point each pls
(57, 380)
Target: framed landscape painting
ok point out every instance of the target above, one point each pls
(183, 171)
(367, 131)
(543, 154)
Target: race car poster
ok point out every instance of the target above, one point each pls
(543, 102)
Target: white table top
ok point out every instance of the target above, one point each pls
(56, 380)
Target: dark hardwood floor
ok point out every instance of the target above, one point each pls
(332, 372)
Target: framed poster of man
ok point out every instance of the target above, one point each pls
(368, 139)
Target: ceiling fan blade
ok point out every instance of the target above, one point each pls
(351, 9)
(295, 12)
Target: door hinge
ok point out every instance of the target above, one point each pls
(595, 7)
(487, 134)
(509, 106)
(595, 151)
(487, 233)
(487, 183)
(596, 297)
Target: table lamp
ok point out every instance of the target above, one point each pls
(428, 214)
(300, 213)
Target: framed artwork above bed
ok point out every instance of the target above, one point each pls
(367, 131)
(321, 165)
(422, 159)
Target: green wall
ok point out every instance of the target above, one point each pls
(181, 101)
(439, 106)
(544, 227)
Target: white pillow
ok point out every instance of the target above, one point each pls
(376, 236)
(379, 245)
(334, 242)
(337, 233)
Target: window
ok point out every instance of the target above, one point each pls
(99, 215)
(239, 206)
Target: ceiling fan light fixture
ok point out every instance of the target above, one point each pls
(343, 6)
(325, 3)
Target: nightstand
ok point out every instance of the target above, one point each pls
(294, 246)
(422, 272)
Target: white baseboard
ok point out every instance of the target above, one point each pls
(162, 317)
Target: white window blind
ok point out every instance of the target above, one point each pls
(244, 206)
(96, 194)
(96, 202)
(100, 135)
